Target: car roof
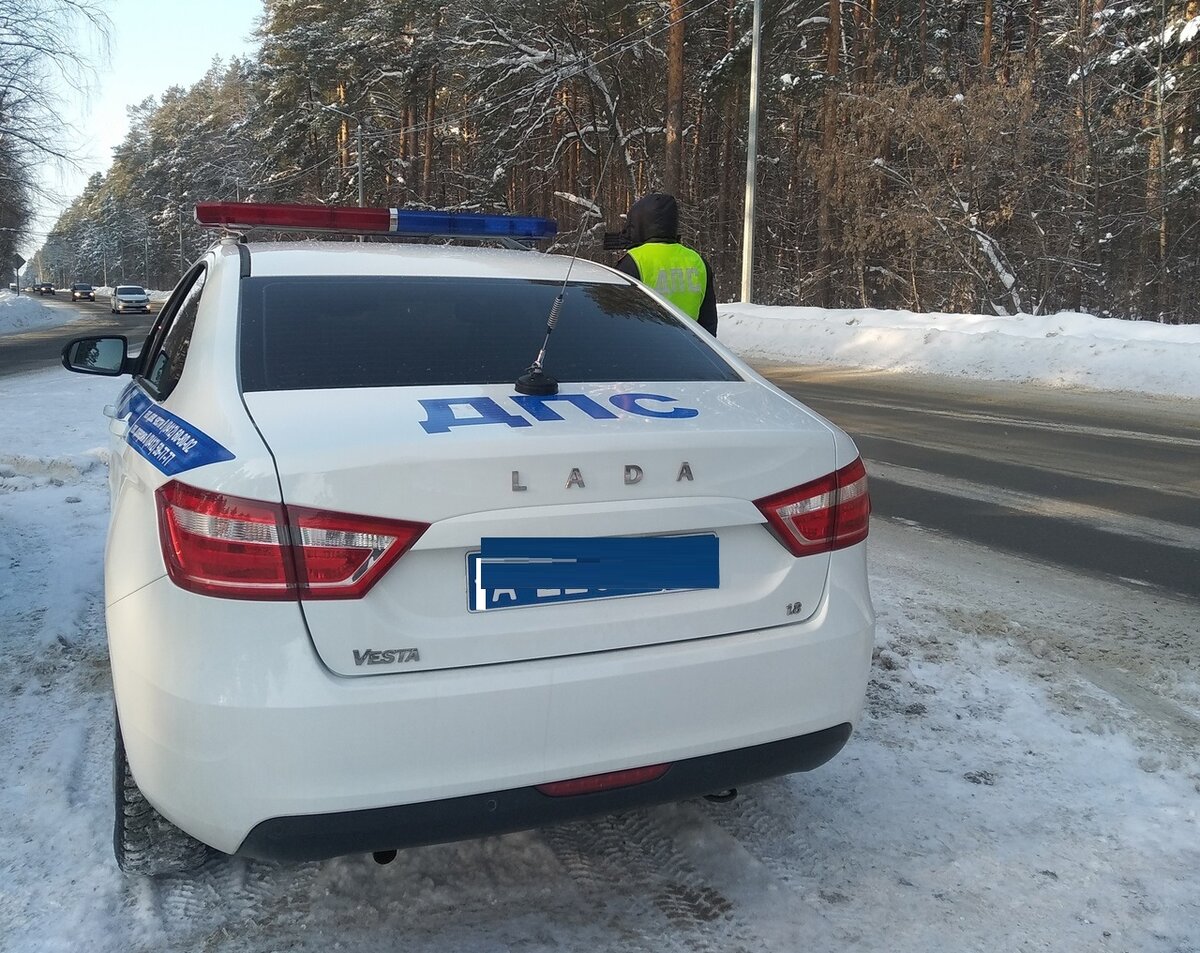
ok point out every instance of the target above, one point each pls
(451, 261)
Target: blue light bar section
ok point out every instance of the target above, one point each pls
(471, 225)
(634, 564)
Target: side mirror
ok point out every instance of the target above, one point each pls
(104, 356)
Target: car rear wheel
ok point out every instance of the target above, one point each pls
(144, 841)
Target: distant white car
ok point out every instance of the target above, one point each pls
(362, 592)
(129, 298)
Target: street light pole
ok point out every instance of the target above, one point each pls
(751, 161)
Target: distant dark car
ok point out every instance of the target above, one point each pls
(45, 288)
(81, 292)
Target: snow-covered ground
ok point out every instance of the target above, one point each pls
(1060, 350)
(1026, 776)
(24, 312)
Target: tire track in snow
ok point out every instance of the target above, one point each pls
(631, 869)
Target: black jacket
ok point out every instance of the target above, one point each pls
(655, 218)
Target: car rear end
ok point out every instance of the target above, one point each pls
(418, 605)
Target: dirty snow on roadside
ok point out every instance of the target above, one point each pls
(1025, 778)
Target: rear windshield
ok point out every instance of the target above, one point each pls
(301, 333)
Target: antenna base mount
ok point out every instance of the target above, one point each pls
(536, 383)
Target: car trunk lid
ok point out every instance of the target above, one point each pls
(597, 461)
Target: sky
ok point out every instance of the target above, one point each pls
(155, 44)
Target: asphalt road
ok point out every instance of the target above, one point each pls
(33, 350)
(1104, 483)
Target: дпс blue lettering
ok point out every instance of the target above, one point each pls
(441, 413)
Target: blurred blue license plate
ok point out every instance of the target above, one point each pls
(539, 572)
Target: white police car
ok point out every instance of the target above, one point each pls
(362, 593)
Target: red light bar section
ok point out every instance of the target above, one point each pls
(317, 218)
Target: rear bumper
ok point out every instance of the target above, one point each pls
(320, 836)
(238, 734)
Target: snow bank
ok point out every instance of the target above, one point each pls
(1062, 350)
(23, 313)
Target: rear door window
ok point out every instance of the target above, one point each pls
(301, 333)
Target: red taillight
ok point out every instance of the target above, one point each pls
(222, 545)
(604, 782)
(823, 515)
(339, 556)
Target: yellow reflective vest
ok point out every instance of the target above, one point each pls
(675, 272)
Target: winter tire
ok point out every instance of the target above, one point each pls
(144, 841)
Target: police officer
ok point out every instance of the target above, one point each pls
(657, 259)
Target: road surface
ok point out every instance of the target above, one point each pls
(1106, 483)
(41, 348)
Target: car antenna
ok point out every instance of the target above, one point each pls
(535, 382)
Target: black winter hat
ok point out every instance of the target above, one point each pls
(654, 217)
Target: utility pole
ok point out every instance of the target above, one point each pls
(181, 241)
(751, 160)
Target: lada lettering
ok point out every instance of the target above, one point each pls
(443, 414)
(385, 656)
(631, 475)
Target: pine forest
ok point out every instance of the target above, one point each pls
(986, 156)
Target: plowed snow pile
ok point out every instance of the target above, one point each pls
(1062, 350)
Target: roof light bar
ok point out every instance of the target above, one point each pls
(390, 221)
